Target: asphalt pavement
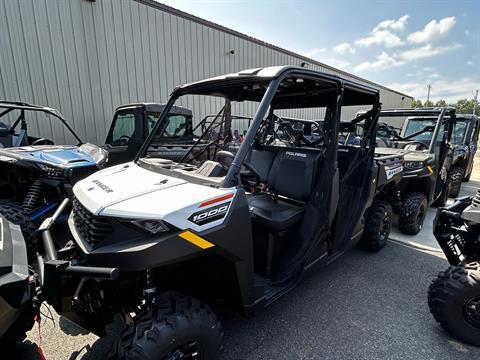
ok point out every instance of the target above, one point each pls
(363, 306)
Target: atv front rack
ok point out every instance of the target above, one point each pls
(458, 243)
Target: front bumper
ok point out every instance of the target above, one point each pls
(455, 239)
(416, 173)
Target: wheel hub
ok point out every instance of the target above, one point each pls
(472, 311)
(385, 226)
(186, 351)
(420, 216)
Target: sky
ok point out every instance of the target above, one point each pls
(404, 45)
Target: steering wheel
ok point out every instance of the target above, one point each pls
(225, 159)
(43, 141)
(122, 140)
(422, 145)
(297, 137)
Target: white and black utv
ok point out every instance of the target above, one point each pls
(454, 296)
(426, 142)
(154, 241)
(35, 174)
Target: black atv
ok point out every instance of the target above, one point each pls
(426, 143)
(35, 174)
(132, 123)
(454, 296)
(465, 147)
(240, 229)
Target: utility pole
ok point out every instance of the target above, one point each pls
(475, 98)
(429, 87)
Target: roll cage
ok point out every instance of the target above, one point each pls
(443, 115)
(6, 107)
(265, 87)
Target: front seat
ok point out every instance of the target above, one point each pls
(291, 176)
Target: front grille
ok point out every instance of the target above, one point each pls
(93, 229)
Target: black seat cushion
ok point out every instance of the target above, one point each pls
(275, 215)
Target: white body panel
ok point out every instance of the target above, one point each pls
(150, 196)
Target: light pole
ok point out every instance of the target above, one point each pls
(429, 87)
(475, 98)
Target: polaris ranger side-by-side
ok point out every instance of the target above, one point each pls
(35, 174)
(242, 228)
(465, 147)
(454, 296)
(426, 142)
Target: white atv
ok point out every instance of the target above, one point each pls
(152, 236)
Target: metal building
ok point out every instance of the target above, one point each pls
(86, 57)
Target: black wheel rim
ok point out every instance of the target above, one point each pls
(188, 351)
(420, 216)
(385, 229)
(471, 311)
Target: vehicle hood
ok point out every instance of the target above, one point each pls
(131, 192)
(120, 183)
(408, 155)
(63, 156)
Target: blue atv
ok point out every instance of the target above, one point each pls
(35, 174)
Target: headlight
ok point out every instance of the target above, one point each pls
(413, 165)
(151, 226)
(51, 171)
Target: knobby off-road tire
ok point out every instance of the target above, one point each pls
(378, 222)
(178, 327)
(412, 213)
(456, 178)
(454, 301)
(14, 213)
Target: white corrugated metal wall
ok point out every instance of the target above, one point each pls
(87, 57)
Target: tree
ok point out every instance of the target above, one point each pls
(441, 103)
(417, 103)
(428, 103)
(465, 106)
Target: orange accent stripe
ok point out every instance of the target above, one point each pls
(196, 240)
(213, 201)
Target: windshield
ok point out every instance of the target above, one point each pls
(177, 127)
(413, 126)
(459, 132)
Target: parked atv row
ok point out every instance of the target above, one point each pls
(238, 221)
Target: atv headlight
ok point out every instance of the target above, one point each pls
(51, 171)
(152, 226)
(413, 165)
